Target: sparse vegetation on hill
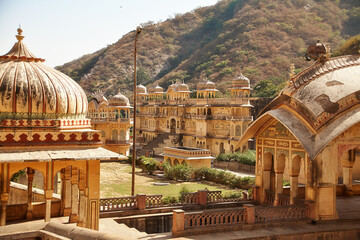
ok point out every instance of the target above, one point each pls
(259, 38)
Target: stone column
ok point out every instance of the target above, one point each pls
(250, 213)
(48, 197)
(278, 187)
(30, 173)
(4, 199)
(294, 175)
(62, 177)
(202, 197)
(178, 222)
(347, 162)
(141, 201)
(74, 196)
(267, 164)
(293, 188)
(82, 200)
(279, 173)
(82, 208)
(265, 184)
(66, 191)
(347, 178)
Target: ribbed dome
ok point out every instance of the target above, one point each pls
(30, 89)
(119, 100)
(140, 89)
(241, 81)
(182, 87)
(158, 89)
(151, 89)
(210, 85)
(173, 86)
(201, 85)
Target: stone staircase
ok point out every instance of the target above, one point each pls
(109, 225)
(156, 146)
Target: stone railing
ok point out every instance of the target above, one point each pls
(211, 220)
(117, 204)
(214, 196)
(190, 198)
(141, 201)
(154, 201)
(269, 197)
(235, 219)
(283, 200)
(292, 212)
(214, 218)
(187, 152)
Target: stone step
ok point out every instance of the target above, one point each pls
(109, 225)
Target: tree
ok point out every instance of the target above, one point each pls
(142, 77)
(351, 46)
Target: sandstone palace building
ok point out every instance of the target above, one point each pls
(206, 122)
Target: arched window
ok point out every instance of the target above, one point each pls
(122, 135)
(122, 113)
(115, 135)
(238, 130)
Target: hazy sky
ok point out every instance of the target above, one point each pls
(62, 30)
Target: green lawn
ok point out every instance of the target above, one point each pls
(171, 190)
(118, 183)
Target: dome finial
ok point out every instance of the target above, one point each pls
(19, 37)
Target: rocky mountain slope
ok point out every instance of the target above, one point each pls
(260, 38)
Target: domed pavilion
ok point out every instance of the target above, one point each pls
(44, 131)
(113, 119)
(312, 129)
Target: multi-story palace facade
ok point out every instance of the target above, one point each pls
(113, 119)
(202, 122)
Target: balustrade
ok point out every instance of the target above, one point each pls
(190, 198)
(117, 204)
(292, 212)
(269, 197)
(283, 200)
(214, 196)
(153, 201)
(214, 218)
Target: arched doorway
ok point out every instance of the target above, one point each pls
(176, 162)
(173, 126)
(221, 148)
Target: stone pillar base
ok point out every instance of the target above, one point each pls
(67, 211)
(80, 224)
(73, 218)
(29, 215)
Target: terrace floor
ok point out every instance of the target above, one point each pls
(348, 207)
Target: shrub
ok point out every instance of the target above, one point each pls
(149, 164)
(178, 172)
(183, 190)
(286, 183)
(237, 194)
(169, 200)
(138, 160)
(225, 178)
(247, 157)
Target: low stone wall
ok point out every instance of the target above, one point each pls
(19, 193)
(234, 166)
(18, 211)
(57, 231)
